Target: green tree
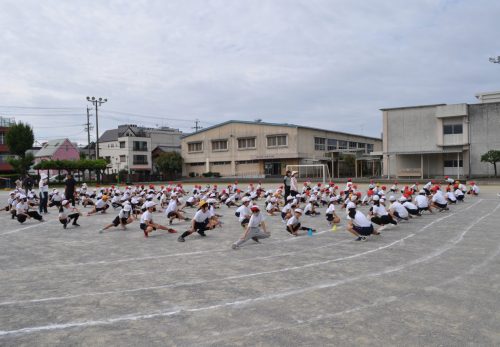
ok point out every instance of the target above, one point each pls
(492, 157)
(169, 164)
(21, 165)
(20, 138)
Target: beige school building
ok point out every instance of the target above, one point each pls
(259, 149)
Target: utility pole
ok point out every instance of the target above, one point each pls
(197, 126)
(97, 102)
(88, 127)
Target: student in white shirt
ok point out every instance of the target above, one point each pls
(272, 207)
(255, 230)
(123, 218)
(359, 225)
(23, 212)
(293, 224)
(398, 210)
(410, 207)
(459, 194)
(100, 206)
(68, 213)
(147, 225)
(172, 211)
(422, 202)
(331, 216)
(199, 222)
(438, 199)
(450, 196)
(379, 214)
(310, 209)
(243, 212)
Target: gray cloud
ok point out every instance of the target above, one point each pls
(329, 64)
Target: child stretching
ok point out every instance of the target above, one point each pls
(124, 217)
(199, 223)
(253, 230)
(68, 213)
(147, 225)
(293, 224)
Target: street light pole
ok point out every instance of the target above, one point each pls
(97, 102)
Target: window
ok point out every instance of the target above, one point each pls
(140, 146)
(332, 144)
(221, 163)
(246, 143)
(247, 162)
(361, 145)
(195, 147)
(319, 143)
(353, 145)
(140, 159)
(123, 158)
(369, 148)
(342, 144)
(197, 164)
(453, 163)
(277, 141)
(122, 144)
(449, 129)
(219, 145)
(108, 159)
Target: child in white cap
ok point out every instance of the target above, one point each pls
(123, 218)
(67, 213)
(255, 230)
(147, 225)
(293, 224)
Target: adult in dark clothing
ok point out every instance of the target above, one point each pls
(69, 192)
(287, 183)
(28, 183)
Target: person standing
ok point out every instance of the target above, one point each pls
(43, 187)
(294, 186)
(69, 192)
(287, 182)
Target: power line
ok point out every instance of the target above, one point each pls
(196, 126)
(42, 108)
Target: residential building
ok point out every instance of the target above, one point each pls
(129, 147)
(60, 149)
(440, 140)
(5, 124)
(244, 148)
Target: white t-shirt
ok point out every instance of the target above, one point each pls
(439, 198)
(293, 221)
(22, 207)
(201, 216)
(422, 201)
(330, 209)
(360, 220)
(172, 206)
(458, 192)
(100, 203)
(64, 212)
(451, 196)
(255, 220)
(123, 214)
(43, 186)
(146, 217)
(379, 210)
(397, 207)
(269, 206)
(244, 212)
(308, 208)
(409, 205)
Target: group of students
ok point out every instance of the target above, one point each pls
(291, 205)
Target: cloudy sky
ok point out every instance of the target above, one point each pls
(325, 63)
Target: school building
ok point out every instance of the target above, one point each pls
(259, 149)
(441, 140)
(5, 124)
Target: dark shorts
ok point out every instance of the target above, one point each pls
(308, 213)
(201, 226)
(363, 231)
(412, 212)
(143, 226)
(171, 214)
(441, 205)
(329, 217)
(117, 221)
(283, 215)
(245, 221)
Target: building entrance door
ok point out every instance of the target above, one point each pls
(272, 169)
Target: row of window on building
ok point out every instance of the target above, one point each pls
(324, 144)
(273, 141)
(136, 159)
(137, 146)
(220, 163)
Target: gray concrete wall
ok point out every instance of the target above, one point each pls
(484, 135)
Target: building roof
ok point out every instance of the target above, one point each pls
(109, 135)
(50, 147)
(407, 107)
(166, 148)
(275, 124)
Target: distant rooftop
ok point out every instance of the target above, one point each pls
(6, 122)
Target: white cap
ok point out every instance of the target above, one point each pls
(245, 199)
(376, 198)
(402, 199)
(392, 198)
(333, 198)
(350, 205)
(64, 202)
(382, 200)
(173, 195)
(354, 198)
(422, 191)
(299, 210)
(127, 208)
(150, 204)
(289, 197)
